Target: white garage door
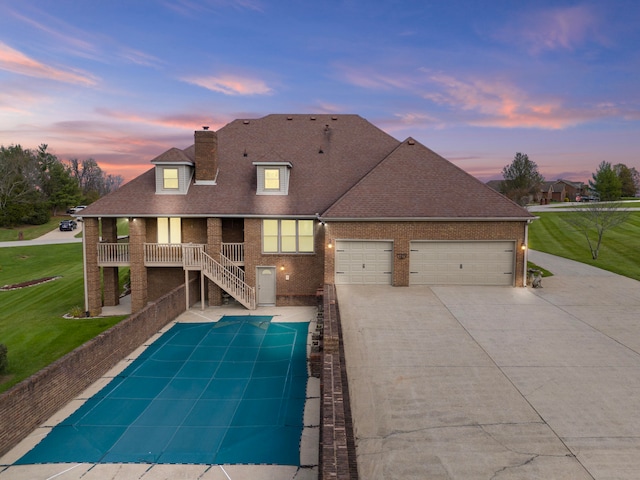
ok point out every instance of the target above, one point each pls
(462, 263)
(361, 262)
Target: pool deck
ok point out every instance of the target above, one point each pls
(87, 471)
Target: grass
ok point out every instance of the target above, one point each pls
(30, 232)
(32, 325)
(618, 252)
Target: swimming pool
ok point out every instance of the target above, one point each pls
(226, 392)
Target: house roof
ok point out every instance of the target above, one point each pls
(342, 167)
(415, 182)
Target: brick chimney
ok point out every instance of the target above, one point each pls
(206, 150)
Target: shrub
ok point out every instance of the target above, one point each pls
(77, 312)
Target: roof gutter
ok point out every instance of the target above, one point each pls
(428, 219)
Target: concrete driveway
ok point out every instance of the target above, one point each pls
(494, 382)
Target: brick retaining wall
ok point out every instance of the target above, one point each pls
(31, 402)
(337, 442)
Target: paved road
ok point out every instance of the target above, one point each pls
(496, 383)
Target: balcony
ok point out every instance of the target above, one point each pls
(113, 255)
(186, 255)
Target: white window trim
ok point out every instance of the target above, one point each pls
(279, 238)
(164, 178)
(262, 167)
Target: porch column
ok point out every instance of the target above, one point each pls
(111, 290)
(137, 238)
(214, 246)
(93, 294)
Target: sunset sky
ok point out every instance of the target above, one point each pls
(121, 81)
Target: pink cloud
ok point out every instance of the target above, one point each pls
(231, 84)
(14, 61)
(182, 121)
(562, 28)
(500, 104)
(370, 78)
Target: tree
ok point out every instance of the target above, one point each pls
(594, 220)
(606, 183)
(93, 182)
(627, 180)
(56, 181)
(521, 179)
(21, 200)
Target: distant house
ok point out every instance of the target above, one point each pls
(562, 190)
(268, 210)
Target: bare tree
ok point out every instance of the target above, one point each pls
(595, 219)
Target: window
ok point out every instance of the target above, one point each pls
(287, 236)
(169, 230)
(272, 179)
(170, 178)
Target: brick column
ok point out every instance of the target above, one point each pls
(94, 292)
(111, 290)
(214, 245)
(137, 238)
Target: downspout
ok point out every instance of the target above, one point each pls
(526, 253)
(84, 269)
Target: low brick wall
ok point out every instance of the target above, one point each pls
(337, 442)
(31, 402)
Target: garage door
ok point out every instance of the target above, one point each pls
(362, 262)
(462, 263)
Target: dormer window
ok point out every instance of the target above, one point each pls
(273, 178)
(170, 178)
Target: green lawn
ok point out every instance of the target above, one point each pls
(618, 252)
(30, 232)
(32, 325)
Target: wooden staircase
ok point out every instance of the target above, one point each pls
(225, 274)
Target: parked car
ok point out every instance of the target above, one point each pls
(76, 209)
(68, 225)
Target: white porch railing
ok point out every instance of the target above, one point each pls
(190, 256)
(113, 254)
(234, 252)
(229, 281)
(166, 254)
(232, 267)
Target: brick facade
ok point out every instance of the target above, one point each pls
(91, 236)
(137, 238)
(305, 271)
(403, 233)
(298, 276)
(337, 440)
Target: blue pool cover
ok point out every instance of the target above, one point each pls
(229, 392)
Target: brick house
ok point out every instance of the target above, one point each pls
(267, 210)
(561, 190)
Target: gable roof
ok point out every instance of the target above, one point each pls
(342, 166)
(415, 182)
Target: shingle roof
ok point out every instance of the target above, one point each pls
(415, 182)
(342, 166)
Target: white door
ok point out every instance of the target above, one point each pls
(364, 262)
(266, 285)
(462, 263)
